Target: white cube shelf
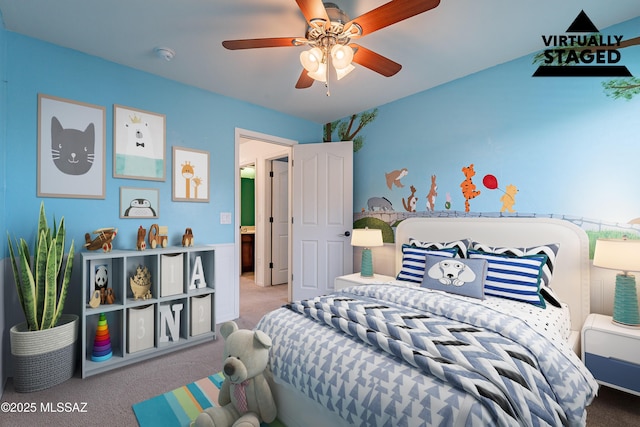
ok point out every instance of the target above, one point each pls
(145, 327)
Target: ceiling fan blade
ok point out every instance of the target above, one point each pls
(374, 61)
(313, 9)
(260, 43)
(391, 13)
(304, 81)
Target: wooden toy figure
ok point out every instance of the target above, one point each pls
(158, 236)
(187, 238)
(141, 245)
(103, 239)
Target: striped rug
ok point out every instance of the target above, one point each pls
(181, 406)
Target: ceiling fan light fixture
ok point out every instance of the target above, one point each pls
(341, 72)
(330, 30)
(311, 59)
(320, 74)
(341, 56)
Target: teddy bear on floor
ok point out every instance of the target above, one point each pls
(245, 397)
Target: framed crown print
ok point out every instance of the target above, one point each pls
(139, 144)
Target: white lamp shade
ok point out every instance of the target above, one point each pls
(341, 56)
(320, 74)
(311, 59)
(344, 71)
(617, 254)
(366, 237)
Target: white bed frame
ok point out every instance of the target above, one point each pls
(570, 281)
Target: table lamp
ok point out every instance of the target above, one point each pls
(622, 255)
(366, 238)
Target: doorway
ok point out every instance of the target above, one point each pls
(269, 156)
(247, 218)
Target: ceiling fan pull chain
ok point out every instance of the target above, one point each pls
(328, 56)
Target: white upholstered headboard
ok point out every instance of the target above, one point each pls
(570, 279)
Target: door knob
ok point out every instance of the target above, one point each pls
(347, 233)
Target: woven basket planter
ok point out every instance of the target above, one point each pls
(43, 359)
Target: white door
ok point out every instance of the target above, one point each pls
(280, 221)
(322, 216)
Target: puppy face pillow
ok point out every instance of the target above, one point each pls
(455, 275)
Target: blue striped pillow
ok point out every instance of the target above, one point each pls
(414, 260)
(550, 250)
(516, 278)
(461, 245)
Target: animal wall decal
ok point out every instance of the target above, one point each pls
(508, 199)
(395, 176)
(410, 204)
(433, 193)
(379, 203)
(468, 187)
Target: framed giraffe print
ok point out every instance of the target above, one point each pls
(71, 149)
(139, 144)
(190, 175)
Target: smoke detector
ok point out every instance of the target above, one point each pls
(165, 53)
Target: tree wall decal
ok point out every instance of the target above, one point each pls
(345, 128)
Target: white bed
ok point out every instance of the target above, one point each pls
(570, 283)
(570, 277)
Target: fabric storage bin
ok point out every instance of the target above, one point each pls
(200, 315)
(141, 328)
(172, 275)
(44, 358)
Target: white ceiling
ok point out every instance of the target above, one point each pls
(457, 38)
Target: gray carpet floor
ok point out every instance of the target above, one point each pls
(109, 396)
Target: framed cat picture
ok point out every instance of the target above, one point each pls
(71, 148)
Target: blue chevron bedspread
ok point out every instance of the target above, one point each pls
(427, 359)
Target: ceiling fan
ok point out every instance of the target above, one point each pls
(329, 33)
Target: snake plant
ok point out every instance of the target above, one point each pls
(42, 284)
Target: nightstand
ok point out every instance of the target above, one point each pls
(612, 353)
(356, 279)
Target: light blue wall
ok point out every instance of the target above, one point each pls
(194, 119)
(567, 147)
